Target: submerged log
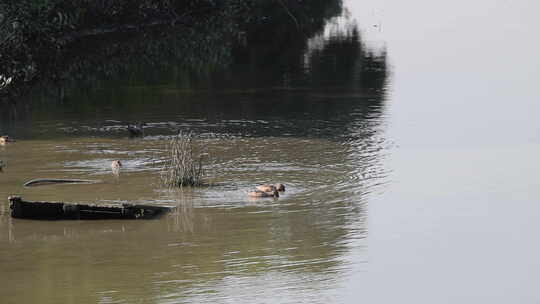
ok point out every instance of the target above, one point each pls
(73, 211)
(49, 181)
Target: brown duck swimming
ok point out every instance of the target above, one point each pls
(270, 188)
(5, 139)
(115, 166)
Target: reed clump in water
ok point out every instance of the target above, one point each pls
(183, 166)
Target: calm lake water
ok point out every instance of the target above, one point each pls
(407, 156)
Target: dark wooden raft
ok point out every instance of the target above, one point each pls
(72, 211)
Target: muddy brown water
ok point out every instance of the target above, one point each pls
(416, 184)
(326, 146)
(218, 236)
(411, 179)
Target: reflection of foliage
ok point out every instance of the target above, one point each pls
(337, 60)
(263, 20)
(344, 61)
(276, 33)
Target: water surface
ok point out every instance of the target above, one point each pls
(407, 141)
(315, 122)
(459, 221)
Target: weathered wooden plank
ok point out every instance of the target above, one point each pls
(70, 211)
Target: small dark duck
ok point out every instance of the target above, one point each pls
(136, 130)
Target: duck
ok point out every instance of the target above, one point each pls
(270, 188)
(5, 139)
(259, 193)
(115, 166)
(136, 130)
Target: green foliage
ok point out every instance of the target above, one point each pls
(59, 40)
(35, 34)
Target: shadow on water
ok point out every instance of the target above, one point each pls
(286, 67)
(302, 106)
(323, 84)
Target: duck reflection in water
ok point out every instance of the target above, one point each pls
(259, 193)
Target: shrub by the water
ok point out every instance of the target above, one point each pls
(183, 166)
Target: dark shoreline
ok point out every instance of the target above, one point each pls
(47, 54)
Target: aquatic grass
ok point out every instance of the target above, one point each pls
(183, 164)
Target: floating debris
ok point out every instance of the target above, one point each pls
(74, 211)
